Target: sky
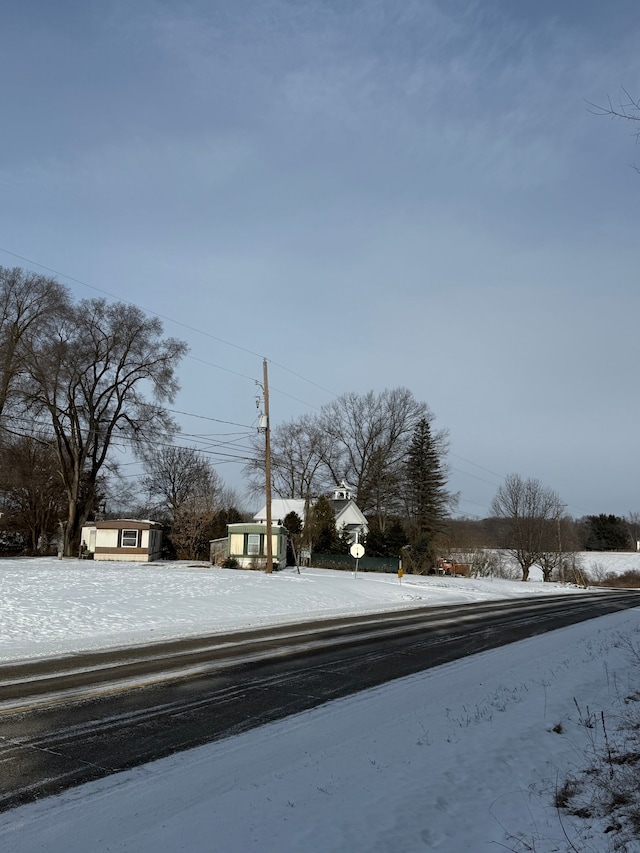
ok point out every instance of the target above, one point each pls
(466, 756)
(368, 193)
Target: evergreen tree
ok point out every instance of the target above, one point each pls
(222, 518)
(396, 537)
(426, 494)
(607, 533)
(387, 543)
(323, 527)
(376, 541)
(294, 526)
(293, 523)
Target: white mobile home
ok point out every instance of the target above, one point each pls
(122, 539)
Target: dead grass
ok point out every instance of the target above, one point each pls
(606, 791)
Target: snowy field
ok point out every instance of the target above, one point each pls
(615, 562)
(463, 758)
(51, 607)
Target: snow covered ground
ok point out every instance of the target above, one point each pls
(465, 757)
(51, 607)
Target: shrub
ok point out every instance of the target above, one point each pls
(629, 579)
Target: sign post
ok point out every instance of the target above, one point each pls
(357, 551)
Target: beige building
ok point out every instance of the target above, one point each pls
(247, 544)
(122, 539)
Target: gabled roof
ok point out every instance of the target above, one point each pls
(348, 513)
(280, 508)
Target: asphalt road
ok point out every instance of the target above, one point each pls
(69, 720)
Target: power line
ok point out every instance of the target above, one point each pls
(474, 476)
(476, 503)
(129, 302)
(236, 346)
(172, 320)
(127, 444)
(475, 464)
(207, 418)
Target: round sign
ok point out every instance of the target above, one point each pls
(357, 550)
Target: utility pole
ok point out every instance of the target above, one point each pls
(267, 467)
(561, 508)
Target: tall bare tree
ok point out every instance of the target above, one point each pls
(177, 475)
(559, 544)
(359, 438)
(31, 491)
(369, 435)
(526, 508)
(92, 378)
(299, 449)
(187, 490)
(27, 302)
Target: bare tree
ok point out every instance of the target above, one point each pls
(369, 437)
(525, 507)
(92, 378)
(627, 108)
(298, 452)
(551, 557)
(177, 475)
(185, 488)
(191, 529)
(27, 302)
(31, 490)
(557, 545)
(359, 438)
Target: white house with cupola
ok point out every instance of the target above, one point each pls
(349, 518)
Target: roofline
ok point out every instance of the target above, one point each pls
(124, 524)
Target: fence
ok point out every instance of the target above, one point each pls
(345, 562)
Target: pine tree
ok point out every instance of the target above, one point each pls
(323, 527)
(294, 526)
(426, 494)
(387, 543)
(607, 533)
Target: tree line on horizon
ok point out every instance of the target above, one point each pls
(80, 380)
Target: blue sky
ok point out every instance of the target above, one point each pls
(369, 194)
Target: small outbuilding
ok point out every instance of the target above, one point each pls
(122, 539)
(248, 544)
